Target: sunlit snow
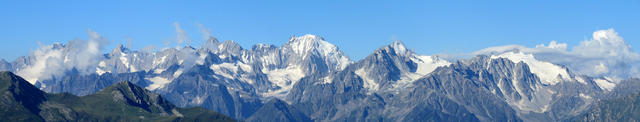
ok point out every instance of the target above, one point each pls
(547, 72)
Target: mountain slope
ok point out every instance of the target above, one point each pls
(120, 102)
(498, 88)
(19, 99)
(619, 105)
(484, 88)
(350, 94)
(278, 111)
(623, 109)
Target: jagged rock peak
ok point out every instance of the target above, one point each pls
(262, 46)
(124, 86)
(211, 44)
(396, 48)
(212, 40)
(189, 47)
(229, 44)
(119, 49)
(57, 46)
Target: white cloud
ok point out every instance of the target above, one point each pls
(206, 33)
(606, 43)
(54, 60)
(553, 45)
(605, 55)
(181, 35)
(599, 69)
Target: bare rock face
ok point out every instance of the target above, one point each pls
(277, 110)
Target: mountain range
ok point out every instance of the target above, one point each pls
(309, 79)
(123, 101)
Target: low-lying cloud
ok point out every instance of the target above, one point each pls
(55, 60)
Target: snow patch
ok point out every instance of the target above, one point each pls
(198, 100)
(285, 77)
(124, 59)
(157, 82)
(229, 70)
(222, 69)
(327, 80)
(368, 82)
(133, 69)
(99, 71)
(102, 64)
(269, 59)
(426, 64)
(177, 73)
(605, 84)
(160, 61)
(580, 80)
(176, 113)
(585, 96)
(547, 72)
(180, 61)
(158, 71)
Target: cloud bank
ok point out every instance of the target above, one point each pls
(605, 55)
(55, 60)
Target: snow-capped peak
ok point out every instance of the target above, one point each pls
(308, 42)
(548, 73)
(308, 45)
(396, 48)
(395, 56)
(399, 47)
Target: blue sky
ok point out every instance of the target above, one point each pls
(357, 27)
